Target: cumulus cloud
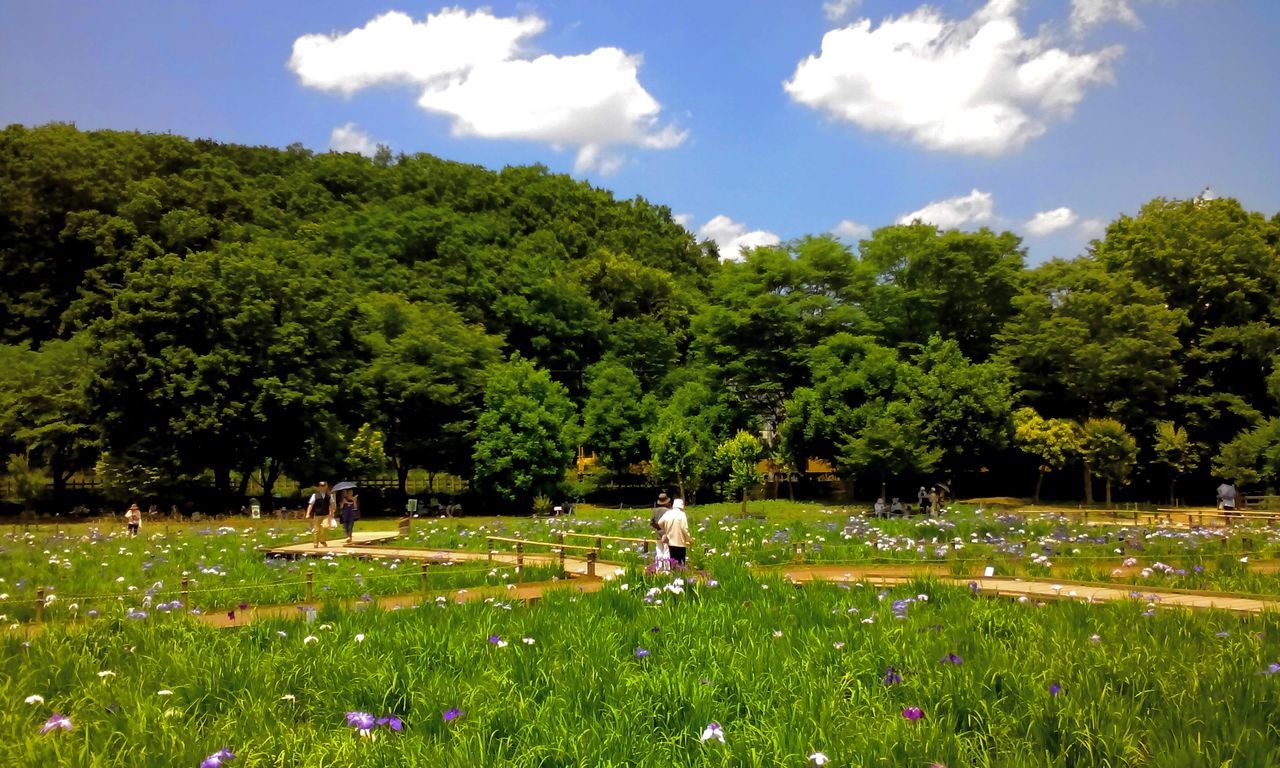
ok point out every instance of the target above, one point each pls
(1047, 222)
(1086, 14)
(977, 85)
(349, 138)
(473, 67)
(851, 230)
(835, 10)
(1093, 228)
(955, 212)
(732, 238)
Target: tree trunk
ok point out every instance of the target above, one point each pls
(1088, 485)
(1108, 492)
(222, 480)
(1173, 498)
(791, 486)
(243, 489)
(1039, 482)
(270, 474)
(744, 502)
(402, 477)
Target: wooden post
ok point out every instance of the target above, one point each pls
(599, 543)
(562, 571)
(646, 546)
(1135, 515)
(39, 604)
(311, 577)
(490, 540)
(520, 554)
(186, 593)
(424, 566)
(591, 563)
(404, 527)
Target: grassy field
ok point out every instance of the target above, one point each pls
(637, 674)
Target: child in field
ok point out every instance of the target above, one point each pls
(133, 519)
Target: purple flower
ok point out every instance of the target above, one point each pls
(951, 658)
(913, 713)
(217, 759)
(56, 721)
(1055, 689)
(1272, 668)
(451, 714)
(495, 639)
(392, 722)
(641, 653)
(973, 587)
(362, 722)
(891, 676)
(137, 613)
(231, 615)
(244, 606)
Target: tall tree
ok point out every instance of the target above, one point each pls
(1174, 449)
(1109, 450)
(1053, 442)
(617, 416)
(526, 434)
(737, 461)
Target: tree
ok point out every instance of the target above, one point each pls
(526, 433)
(682, 443)
(737, 460)
(1088, 343)
(1053, 442)
(1176, 451)
(223, 360)
(887, 440)
(617, 416)
(1219, 265)
(365, 455)
(957, 285)
(1109, 450)
(964, 406)
(44, 408)
(1253, 456)
(425, 379)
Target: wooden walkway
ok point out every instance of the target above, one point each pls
(574, 566)
(1031, 589)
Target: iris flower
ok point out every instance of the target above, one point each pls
(1055, 689)
(217, 759)
(641, 653)
(891, 676)
(451, 714)
(392, 722)
(363, 722)
(817, 758)
(712, 731)
(951, 658)
(913, 713)
(56, 721)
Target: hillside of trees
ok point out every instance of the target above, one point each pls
(179, 316)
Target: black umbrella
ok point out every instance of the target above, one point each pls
(344, 485)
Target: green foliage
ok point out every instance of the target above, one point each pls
(365, 454)
(1054, 442)
(737, 462)
(526, 434)
(964, 406)
(1109, 450)
(1253, 456)
(617, 416)
(1174, 449)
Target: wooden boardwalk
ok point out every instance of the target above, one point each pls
(1032, 589)
(574, 566)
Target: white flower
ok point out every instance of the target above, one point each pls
(36, 699)
(712, 731)
(310, 639)
(288, 697)
(528, 641)
(360, 638)
(777, 633)
(817, 758)
(104, 674)
(164, 692)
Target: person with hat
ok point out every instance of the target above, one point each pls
(673, 530)
(659, 509)
(133, 518)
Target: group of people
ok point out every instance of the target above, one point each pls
(325, 505)
(930, 503)
(671, 526)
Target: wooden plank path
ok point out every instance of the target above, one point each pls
(1031, 589)
(573, 565)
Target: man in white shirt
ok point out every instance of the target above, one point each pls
(320, 510)
(674, 529)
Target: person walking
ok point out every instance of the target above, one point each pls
(350, 513)
(320, 511)
(1227, 496)
(922, 499)
(674, 530)
(133, 519)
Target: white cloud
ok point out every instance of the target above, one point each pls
(1093, 228)
(1047, 222)
(468, 65)
(733, 238)
(851, 230)
(976, 85)
(1086, 14)
(349, 138)
(684, 219)
(393, 48)
(955, 212)
(838, 9)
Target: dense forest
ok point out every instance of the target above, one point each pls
(179, 314)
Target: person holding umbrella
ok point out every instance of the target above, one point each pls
(348, 508)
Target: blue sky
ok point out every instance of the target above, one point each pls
(753, 120)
